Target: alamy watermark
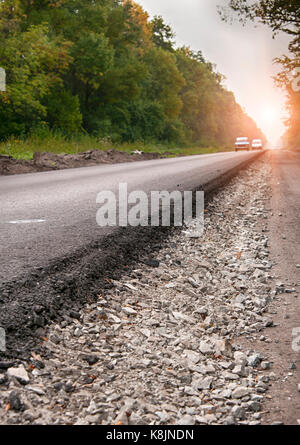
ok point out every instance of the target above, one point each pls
(2, 79)
(160, 208)
(296, 339)
(296, 80)
(2, 340)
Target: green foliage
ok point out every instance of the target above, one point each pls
(279, 15)
(164, 81)
(63, 110)
(104, 69)
(93, 56)
(55, 141)
(162, 34)
(34, 64)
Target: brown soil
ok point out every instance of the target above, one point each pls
(43, 161)
(283, 398)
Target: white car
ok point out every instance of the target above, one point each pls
(257, 144)
(242, 144)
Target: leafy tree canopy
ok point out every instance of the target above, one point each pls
(102, 66)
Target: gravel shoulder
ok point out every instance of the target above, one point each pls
(282, 343)
(184, 339)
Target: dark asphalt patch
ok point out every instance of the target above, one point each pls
(54, 293)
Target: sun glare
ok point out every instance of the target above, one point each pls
(270, 120)
(269, 116)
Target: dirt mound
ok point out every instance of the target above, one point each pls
(43, 161)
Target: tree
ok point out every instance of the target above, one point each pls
(162, 34)
(279, 15)
(104, 67)
(34, 64)
(63, 110)
(165, 81)
(92, 57)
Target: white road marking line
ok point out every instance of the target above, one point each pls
(27, 221)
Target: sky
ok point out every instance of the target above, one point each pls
(243, 54)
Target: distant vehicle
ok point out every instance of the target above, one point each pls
(242, 144)
(257, 144)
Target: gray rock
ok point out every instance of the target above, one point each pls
(90, 359)
(240, 357)
(36, 389)
(239, 392)
(266, 365)
(208, 409)
(205, 347)
(230, 420)
(20, 374)
(202, 310)
(254, 406)
(254, 360)
(129, 311)
(193, 283)
(193, 356)
(204, 383)
(240, 370)
(238, 412)
(186, 420)
(163, 416)
(15, 402)
(223, 347)
(230, 376)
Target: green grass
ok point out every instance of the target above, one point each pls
(59, 144)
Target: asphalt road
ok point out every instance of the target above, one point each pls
(47, 216)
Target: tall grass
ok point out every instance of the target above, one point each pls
(58, 143)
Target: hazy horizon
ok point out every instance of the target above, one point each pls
(243, 54)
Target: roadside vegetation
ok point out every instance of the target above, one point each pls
(87, 74)
(56, 142)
